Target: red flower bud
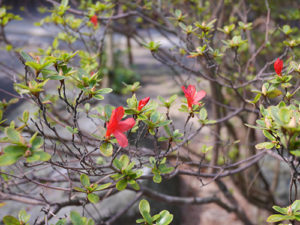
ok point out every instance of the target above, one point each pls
(278, 65)
(94, 20)
(143, 102)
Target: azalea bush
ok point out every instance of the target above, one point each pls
(238, 77)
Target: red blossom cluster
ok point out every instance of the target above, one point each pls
(116, 126)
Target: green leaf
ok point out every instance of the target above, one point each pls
(10, 220)
(165, 169)
(132, 102)
(210, 122)
(203, 114)
(106, 149)
(264, 145)
(284, 115)
(130, 166)
(117, 164)
(44, 156)
(49, 73)
(85, 180)
(167, 129)
(164, 123)
(274, 112)
(269, 136)
(100, 160)
(93, 198)
(138, 173)
(27, 57)
(55, 43)
(296, 205)
(102, 187)
(165, 218)
(274, 93)
(90, 222)
(152, 160)
(172, 98)
(140, 221)
(124, 160)
(33, 158)
(144, 208)
(56, 77)
(12, 135)
(6, 160)
(163, 139)
(147, 217)
(76, 218)
(161, 99)
(72, 130)
(1, 116)
(134, 185)
(280, 210)
(104, 91)
(65, 3)
(98, 97)
(260, 123)
(117, 176)
(155, 217)
(23, 216)
(154, 116)
(79, 189)
(256, 99)
(34, 65)
(121, 184)
(295, 153)
(37, 142)
(281, 104)
(157, 178)
(61, 222)
(15, 150)
(277, 217)
(25, 116)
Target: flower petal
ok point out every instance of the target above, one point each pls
(191, 90)
(121, 138)
(125, 125)
(118, 113)
(115, 117)
(189, 93)
(109, 129)
(201, 94)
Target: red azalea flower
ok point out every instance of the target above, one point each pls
(143, 102)
(193, 97)
(94, 20)
(278, 65)
(117, 127)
